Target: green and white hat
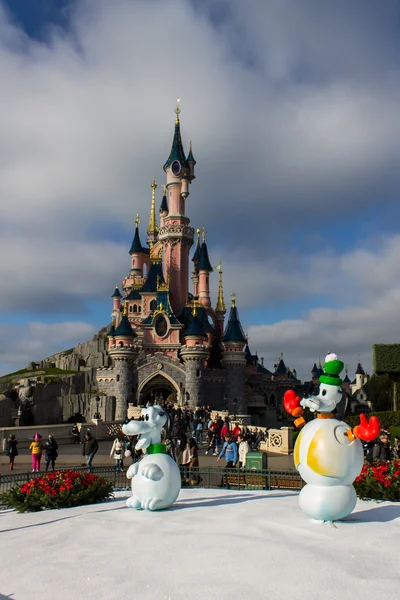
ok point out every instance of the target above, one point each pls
(332, 369)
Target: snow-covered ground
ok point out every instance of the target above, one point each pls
(211, 544)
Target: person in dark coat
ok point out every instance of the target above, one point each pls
(381, 449)
(50, 451)
(12, 450)
(90, 447)
(76, 434)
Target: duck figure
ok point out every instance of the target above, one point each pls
(156, 479)
(328, 453)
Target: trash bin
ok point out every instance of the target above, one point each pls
(256, 461)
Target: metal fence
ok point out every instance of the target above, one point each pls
(202, 477)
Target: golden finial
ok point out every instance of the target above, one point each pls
(204, 233)
(152, 228)
(190, 145)
(164, 187)
(194, 311)
(198, 232)
(177, 110)
(346, 369)
(137, 220)
(220, 307)
(281, 356)
(125, 311)
(233, 296)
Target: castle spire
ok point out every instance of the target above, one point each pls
(136, 245)
(177, 154)
(234, 331)
(152, 229)
(220, 307)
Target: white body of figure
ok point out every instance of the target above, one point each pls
(328, 453)
(328, 462)
(156, 479)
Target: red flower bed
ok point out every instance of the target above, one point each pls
(379, 481)
(60, 489)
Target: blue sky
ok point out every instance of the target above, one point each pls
(293, 112)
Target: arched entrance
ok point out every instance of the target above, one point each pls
(158, 388)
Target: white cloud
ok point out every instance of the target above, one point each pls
(294, 116)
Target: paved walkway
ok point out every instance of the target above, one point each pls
(70, 455)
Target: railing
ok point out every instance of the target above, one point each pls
(204, 477)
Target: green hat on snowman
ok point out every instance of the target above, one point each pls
(332, 368)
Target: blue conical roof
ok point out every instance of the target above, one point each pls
(124, 329)
(196, 255)
(111, 331)
(136, 245)
(117, 293)
(280, 368)
(234, 331)
(155, 271)
(195, 328)
(204, 261)
(190, 157)
(177, 152)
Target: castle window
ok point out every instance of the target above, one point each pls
(139, 309)
(121, 344)
(153, 305)
(198, 372)
(117, 378)
(130, 309)
(135, 308)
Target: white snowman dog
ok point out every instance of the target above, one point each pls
(156, 479)
(328, 453)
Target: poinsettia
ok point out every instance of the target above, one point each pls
(379, 481)
(58, 490)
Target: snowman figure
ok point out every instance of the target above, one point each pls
(328, 453)
(156, 479)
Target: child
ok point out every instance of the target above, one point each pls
(12, 449)
(36, 447)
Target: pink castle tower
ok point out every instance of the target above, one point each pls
(176, 235)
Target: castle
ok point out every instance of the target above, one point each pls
(166, 342)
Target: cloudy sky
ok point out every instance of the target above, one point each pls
(293, 108)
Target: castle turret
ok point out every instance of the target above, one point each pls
(234, 361)
(138, 254)
(123, 354)
(163, 206)
(116, 301)
(220, 308)
(194, 354)
(195, 272)
(191, 164)
(204, 267)
(175, 234)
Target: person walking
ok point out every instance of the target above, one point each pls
(90, 447)
(244, 448)
(50, 452)
(12, 450)
(36, 447)
(194, 462)
(76, 434)
(199, 434)
(118, 452)
(230, 451)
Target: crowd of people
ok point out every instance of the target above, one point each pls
(186, 432)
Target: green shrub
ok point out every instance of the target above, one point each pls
(60, 489)
(379, 481)
(388, 417)
(386, 358)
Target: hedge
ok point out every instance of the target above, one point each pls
(387, 417)
(386, 359)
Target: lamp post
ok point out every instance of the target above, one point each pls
(234, 407)
(97, 415)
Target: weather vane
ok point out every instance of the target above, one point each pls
(177, 110)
